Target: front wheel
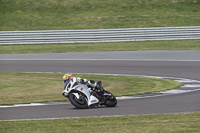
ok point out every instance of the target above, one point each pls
(80, 103)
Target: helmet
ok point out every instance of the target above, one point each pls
(67, 76)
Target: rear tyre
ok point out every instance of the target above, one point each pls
(111, 102)
(80, 103)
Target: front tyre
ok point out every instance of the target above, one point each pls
(80, 103)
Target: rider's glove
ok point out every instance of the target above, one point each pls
(84, 80)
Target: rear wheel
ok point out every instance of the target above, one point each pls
(80, 103)
(111, 101)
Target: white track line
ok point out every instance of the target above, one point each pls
(98, 60)
(164, 93)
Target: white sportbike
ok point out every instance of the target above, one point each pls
(82, 96)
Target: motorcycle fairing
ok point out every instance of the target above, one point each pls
(83, 89)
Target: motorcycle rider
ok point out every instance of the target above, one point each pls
(91, 83)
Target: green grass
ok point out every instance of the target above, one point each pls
(118, 46)
(17, 87)
(95, 14)
(159, 123)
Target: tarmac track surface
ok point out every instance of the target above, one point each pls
(187, 102)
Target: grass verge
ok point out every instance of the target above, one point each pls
(159, 123)
(18, 87)
(89, 47)
(95, 14)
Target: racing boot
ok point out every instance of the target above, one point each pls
(100, 87)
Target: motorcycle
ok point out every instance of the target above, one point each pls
(83, 96)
